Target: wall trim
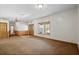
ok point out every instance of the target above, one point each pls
(56, 40)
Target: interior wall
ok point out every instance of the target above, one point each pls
(78, 27)
(21, 26)
(62, 26)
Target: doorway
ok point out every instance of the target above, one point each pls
(31, 29)
(3, 30)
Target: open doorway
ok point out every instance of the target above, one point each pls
(31, 29)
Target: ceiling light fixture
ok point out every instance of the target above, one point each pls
(40, 6)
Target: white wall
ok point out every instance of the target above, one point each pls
(78, 27)
(21, 26)
(62, 26)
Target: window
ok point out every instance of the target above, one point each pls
(44, 28)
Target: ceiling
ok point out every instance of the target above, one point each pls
(29, 11)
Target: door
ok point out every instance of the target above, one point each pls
(3, 30)
(31, 29)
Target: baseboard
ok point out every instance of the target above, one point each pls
(57, 40)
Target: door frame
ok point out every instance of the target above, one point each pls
(33, 29)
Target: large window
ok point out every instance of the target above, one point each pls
(44, 28)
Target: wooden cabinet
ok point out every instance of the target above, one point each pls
(21, 33)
